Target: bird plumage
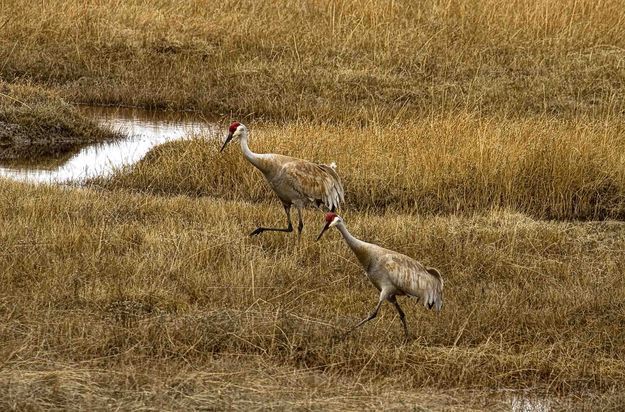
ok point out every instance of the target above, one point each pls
(409, 277)
(392, 273)
(296, 182)
(311, 183)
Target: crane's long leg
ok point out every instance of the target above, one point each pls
(373, 314)
(259, 230)
(300, 225)
(402, 315)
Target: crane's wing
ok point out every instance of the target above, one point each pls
(318, 182)
(414, 279)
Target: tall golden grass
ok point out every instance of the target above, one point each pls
(457, 128)
(97, 280)
(350, 60)
(440, 165)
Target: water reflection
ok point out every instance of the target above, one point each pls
(143, 130)
(520, 403)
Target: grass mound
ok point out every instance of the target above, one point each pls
(548, 169)
(36, 123)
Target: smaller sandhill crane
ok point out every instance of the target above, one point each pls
(392, 273)
(297, 182)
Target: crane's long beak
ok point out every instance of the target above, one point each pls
(323, 230)
(226, 142)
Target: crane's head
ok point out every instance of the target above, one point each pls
(332, 219)
(235, 130)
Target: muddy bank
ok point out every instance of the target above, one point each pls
(36, 124)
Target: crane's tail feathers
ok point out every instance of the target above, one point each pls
(434, 272)
(333, 193)
(435, 299)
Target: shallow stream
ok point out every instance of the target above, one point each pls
(142, 131)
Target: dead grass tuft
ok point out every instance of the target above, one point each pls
(36, 123)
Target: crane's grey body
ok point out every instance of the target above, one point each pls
(296, 182)
(302, 183)
(393, 274)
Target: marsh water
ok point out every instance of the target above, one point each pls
(524, 402)
(141, 130)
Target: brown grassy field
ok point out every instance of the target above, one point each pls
(351, 60)
(482, 138)
(111, 292)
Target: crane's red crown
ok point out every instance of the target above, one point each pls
(330, 216)
(233, 127)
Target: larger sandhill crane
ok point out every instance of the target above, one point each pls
(297, 182)
(392, 273)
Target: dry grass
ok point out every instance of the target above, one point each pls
(456, 126)
(448, 164)
(36, 123)
(352, 60)
(144, 286)
(225, 383)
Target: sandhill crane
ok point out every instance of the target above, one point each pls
(392, 273)
(297, 182)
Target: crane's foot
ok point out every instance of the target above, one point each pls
(340, 336)
(347, 333)
(257, 231)
(260, 230)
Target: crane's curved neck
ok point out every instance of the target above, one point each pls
(356, 245)
(253, 158)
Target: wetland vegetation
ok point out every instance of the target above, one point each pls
(36, 124)
(481, 138)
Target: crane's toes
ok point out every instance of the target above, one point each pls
(346, 334)
(339, 337)
(257, 231)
